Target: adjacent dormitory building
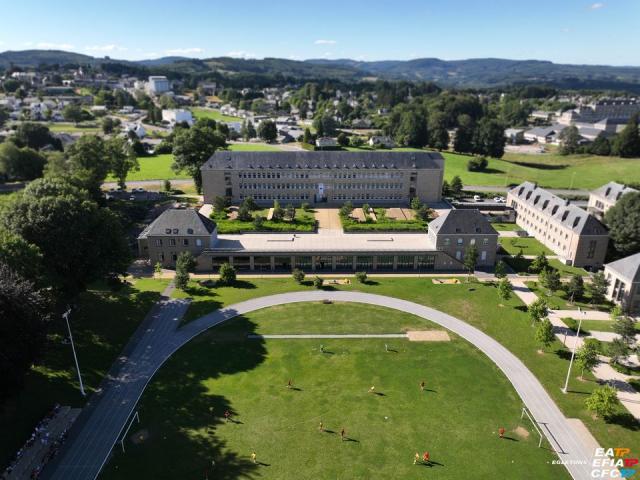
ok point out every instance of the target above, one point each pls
(577, 237)
(324, 177)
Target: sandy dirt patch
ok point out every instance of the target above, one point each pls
(428, 336)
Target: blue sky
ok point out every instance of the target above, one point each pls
(565, 31)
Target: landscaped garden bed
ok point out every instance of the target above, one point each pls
(357, 220)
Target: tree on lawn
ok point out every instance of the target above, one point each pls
(244, 214)
(267, 131)
(251, 203)
(122, 159)
(544, 333)
(72, 113)
(587, 357)
(455, 187)
(627, 143)
(624, 326)
(416, 204)
(550, 279)
(489, 138)
(184, 264)
(618, 351)
(157, 269)
(318, 283)
(290, 212)
(278, 211)
(597, 289)
(538, 310)
(227, 274)
(23, 320)
(298, 275)
(361, 277)
(602, 401)
(346, 209)
(500, 270)
(505, 289)
(193, 146)
(623, 220)
(219, 205)
(470, 259)
(539, 264)
(88, 163)
(22, 257)
(569, 140)
(575, 287)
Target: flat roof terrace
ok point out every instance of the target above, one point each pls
(313, 243)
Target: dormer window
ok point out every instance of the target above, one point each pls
(606, 194)
(175, 231)
(575, 222)
(528, 195)
(167, 231)
(565, 215)
(190, 231)
(545, 204)
(520, 191)
(554, 210)
(537, 199)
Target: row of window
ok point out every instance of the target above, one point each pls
(312, 186)
(446, 242)
(280, 196)
(336, 175)
(171, 242)
(366, 196)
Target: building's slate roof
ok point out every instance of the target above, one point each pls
(612, 191)
(627, 267)
(570, 216)
(462, 221)
(324, 160)
(182, 222)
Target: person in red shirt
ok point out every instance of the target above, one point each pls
(422, 386)
(501, 432)
(227, 414)
(425, 458)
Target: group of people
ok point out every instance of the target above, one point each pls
(40, 436)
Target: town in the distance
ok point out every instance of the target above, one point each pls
(270, 268)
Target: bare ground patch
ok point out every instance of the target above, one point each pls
(428, 336)
(522, 432)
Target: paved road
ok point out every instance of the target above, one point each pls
(557, 191)
(88, 448)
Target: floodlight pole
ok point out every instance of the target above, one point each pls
(65, 315)
(573, 352)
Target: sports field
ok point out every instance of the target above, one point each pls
(213, 114)
(456, 417)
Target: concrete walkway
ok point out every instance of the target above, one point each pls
(89, 446)
(328, 221)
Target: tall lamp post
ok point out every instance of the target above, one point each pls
(573, 351)
(65, 315)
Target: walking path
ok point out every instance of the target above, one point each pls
(90, 445)
(329, 335)
(628, 396)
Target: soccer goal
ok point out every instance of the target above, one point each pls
(525, 411)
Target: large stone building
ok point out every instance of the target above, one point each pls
(441, 249)
(624, 282)
(605, 197)
(577, 237)
(325, 177)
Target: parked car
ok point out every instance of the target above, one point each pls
(477, 198)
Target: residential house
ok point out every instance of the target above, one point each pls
(381, 141)
(174, 116)
(326, 142)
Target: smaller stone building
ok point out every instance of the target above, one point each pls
(175, 231)
(457, 230)
(605, 197)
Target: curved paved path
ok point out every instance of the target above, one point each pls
(90, 444)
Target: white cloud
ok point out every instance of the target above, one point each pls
(596, 6)
(106, 48)
(240, 54)
(325, 42)
(27, 44)
(184, 51)
(54, 46)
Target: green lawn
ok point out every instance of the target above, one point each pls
(477, 304)
(101, 326)
(528, 246)
(383, 224)
(522, 267)
(63, 127)
(559, 300)
(602, 325)
(511, 227)
(304, 221)
(182, 413)
(252, 147)
(213, 114)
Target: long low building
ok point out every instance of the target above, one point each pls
(443, 248)
(577, 237)
(324, 177)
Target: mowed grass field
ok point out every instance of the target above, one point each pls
(199, 112)
(456, 418)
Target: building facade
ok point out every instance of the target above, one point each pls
(624, 282)
(605, 197)
(324, 177)
(458, 230)
(157, 85)
(176, 231)
(577, 237)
